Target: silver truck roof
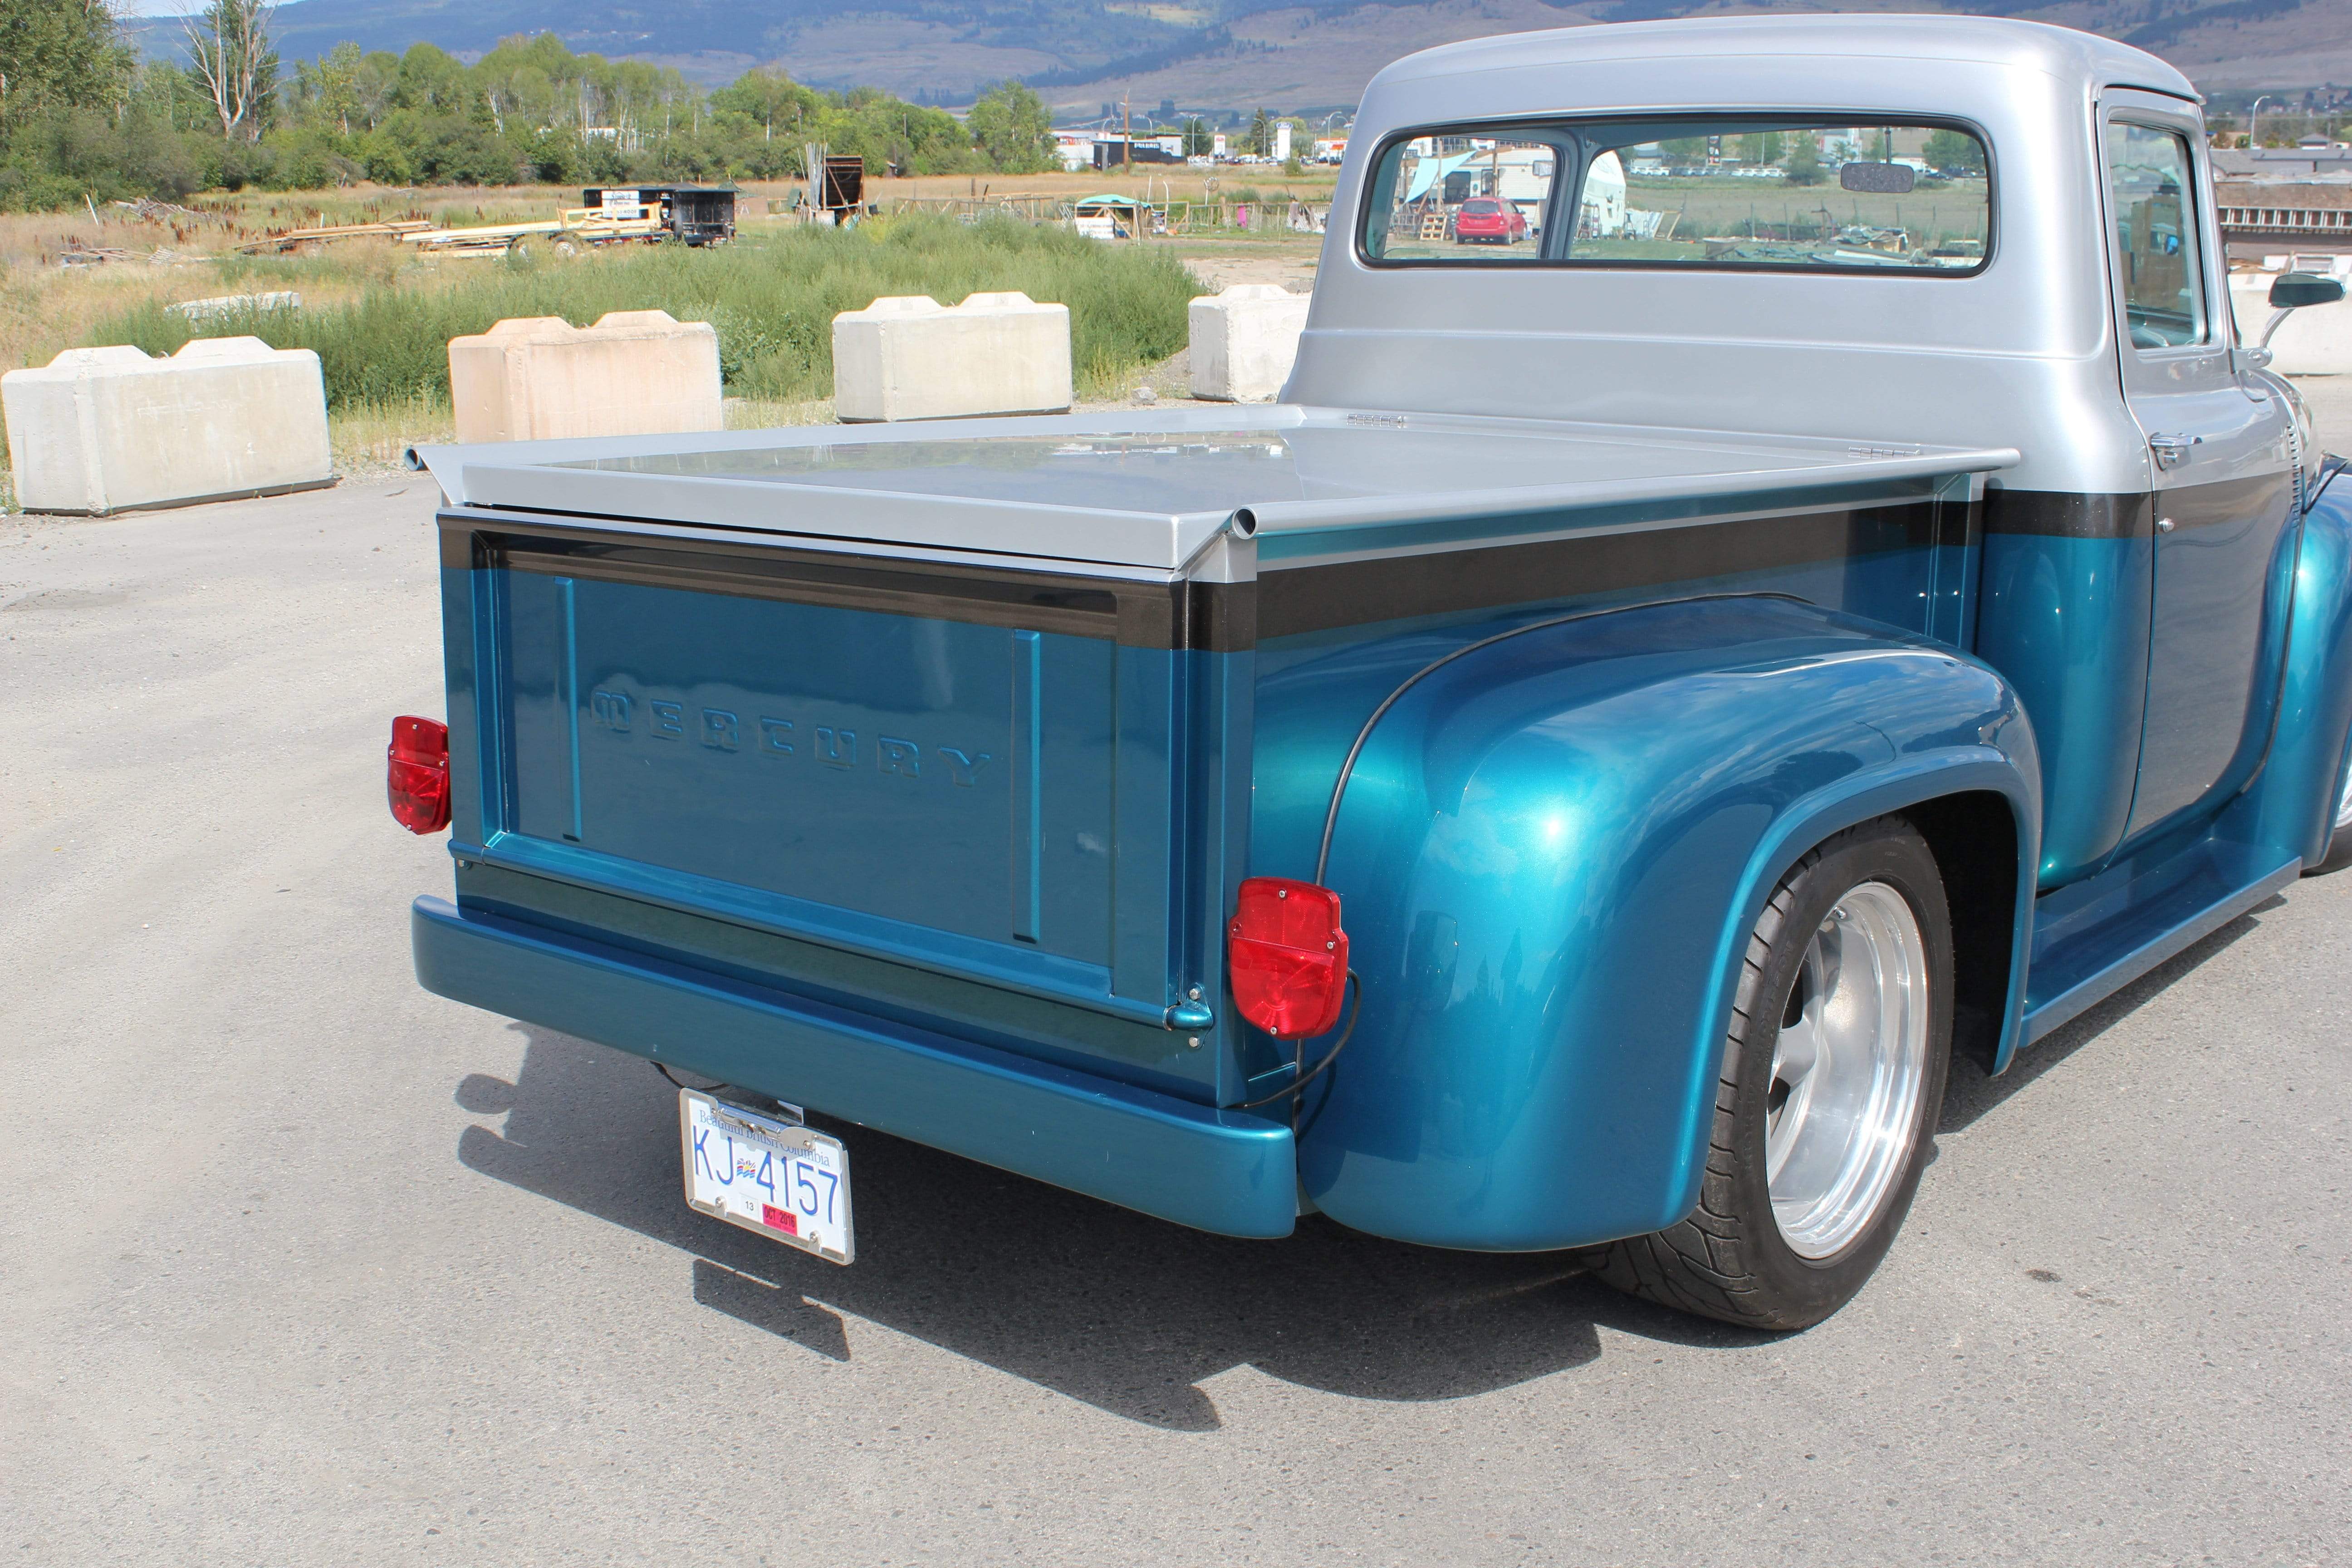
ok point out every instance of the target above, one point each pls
(1651, 61)
(2021, 353)
(1149, 491)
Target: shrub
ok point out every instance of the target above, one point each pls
(773, 302)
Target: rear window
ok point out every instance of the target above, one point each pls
(1791, 194)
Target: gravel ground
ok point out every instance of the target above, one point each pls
(302, 1265)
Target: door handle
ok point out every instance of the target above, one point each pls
(2171, 451)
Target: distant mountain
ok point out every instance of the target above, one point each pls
(1308, 56)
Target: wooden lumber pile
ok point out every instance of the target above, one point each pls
(497, 237)
(585, 225)
(294, 237)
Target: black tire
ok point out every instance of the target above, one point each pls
(2338, 856)
(1728, 1260)
(2338, 853)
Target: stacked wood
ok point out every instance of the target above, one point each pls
(588, 226)
(294, 237)
(486, 237)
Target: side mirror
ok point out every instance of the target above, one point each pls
(2293, 290)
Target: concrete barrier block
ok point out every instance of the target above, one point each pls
(112, 429)
(236, 305)
(2314, 340)
(1245, 341)
(909, 357)
(539, 378)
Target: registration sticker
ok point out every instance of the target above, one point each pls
(788, 1182)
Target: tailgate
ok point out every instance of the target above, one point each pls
(1011, 777)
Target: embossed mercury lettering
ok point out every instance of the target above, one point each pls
(611, 709)
(725, 730)
(962, 767)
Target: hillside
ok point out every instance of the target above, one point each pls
(1231, 54)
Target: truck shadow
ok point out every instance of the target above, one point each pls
(1123, 1311)
(1973, 1092)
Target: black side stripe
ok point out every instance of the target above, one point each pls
(2060, 514)
(1320, 597)
(1207, 616)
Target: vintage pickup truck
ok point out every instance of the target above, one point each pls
(1835, 592)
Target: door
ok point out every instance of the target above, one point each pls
(2219, 464)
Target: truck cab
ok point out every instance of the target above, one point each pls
(1834, 593)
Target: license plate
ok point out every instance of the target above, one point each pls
(788, 1182)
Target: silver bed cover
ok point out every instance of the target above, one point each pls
(1147, 490)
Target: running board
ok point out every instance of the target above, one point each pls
(2093, 939)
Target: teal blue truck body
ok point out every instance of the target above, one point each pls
(908, 773)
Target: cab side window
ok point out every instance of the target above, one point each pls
(1464, 197)
(2151, 193)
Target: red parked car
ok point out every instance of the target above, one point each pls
(1486, 217)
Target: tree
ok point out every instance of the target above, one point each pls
(1260, 141)
(373, 89)
(1685, 149)
(1805, 161)
(769, 99)
(429, 78)
(1013, 127)
(330, 87)
(77, 120)
(59, 55)
(1198, 140)
(234, 62)
(1955, 151)
(1761, 148)
(1882, 147)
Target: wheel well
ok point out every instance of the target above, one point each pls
(1974, 839)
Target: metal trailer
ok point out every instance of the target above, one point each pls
(699, 214)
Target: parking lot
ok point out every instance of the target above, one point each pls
(300, 1263)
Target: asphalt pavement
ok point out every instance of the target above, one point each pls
(301, 1265)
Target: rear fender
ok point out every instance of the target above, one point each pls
(2291, 805)
(1551, 852)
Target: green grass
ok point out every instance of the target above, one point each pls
(772, 300)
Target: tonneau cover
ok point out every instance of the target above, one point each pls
(1147, 492)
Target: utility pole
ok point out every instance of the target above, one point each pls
(1126, 132)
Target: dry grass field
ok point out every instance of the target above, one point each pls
(44, 308)
(173, 255)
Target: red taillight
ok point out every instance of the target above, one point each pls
(1286, 957)
(416, 773)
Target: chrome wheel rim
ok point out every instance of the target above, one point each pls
(1847, 1068)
